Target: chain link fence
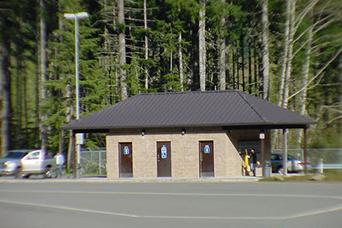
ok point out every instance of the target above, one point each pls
(93, 162)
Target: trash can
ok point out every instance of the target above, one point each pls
(268, 169)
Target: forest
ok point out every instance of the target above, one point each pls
(285, 51)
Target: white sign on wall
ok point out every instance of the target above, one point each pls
(206, 149)
(126, 150)
(163, 152)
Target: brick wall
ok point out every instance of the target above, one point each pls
(184, 152)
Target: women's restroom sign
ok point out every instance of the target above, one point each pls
(206, 149)
(126, 150)
(163, 152)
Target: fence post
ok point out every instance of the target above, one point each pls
(100, 162)
(320, 166)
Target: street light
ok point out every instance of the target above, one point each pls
(79, 137)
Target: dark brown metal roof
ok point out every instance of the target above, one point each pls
(191, 109)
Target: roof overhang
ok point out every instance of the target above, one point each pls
(223, 109)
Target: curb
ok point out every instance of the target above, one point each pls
(139, 180)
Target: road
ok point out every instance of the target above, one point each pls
(36, 204)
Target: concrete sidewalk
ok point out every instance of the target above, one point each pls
(95, 179)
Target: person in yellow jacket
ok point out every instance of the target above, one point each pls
(246, 163)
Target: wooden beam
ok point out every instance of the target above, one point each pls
(74, 166)
(285, 152)
(305, 150)
(262, 148)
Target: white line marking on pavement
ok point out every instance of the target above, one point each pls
(300, 215)
(316, 212)
(136, 216)
(178, 194)
(68, 208)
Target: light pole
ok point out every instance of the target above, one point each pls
(79, 137)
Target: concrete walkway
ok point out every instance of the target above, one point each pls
(35, 179)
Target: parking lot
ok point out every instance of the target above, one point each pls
(81, 204)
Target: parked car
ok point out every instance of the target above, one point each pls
(293, 164)
(24, 163)
(38, 162)
(10, 164)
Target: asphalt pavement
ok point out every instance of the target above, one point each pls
(96, 204)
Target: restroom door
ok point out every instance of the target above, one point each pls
(206, 159)
(164, 159)
(125, 160)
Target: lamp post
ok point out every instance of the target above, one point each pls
(79, 137)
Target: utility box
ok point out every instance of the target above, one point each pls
(268, 169)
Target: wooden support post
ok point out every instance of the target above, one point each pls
(262, 148)
(305, 151)
(285, 153)
(61, 142)
(74, 166)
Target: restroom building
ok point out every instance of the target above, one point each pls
(188, 134)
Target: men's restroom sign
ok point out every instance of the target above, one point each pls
(163, 152)
(126, 150)
(206, 149)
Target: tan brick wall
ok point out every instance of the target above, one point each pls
(112, 159)
(228, 161)
(184, 153)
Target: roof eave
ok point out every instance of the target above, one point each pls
(106, 129)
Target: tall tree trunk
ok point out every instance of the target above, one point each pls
(285, 54)
(287, 61)
(26, 110)
(146, 45)
(171, 62)
(5, 93)
(43, 96)
(202, 45)
(306, 71)
(222, 54)
(238, 66)
(17, 95)
(290, 54)
(180, 55)
(122, 51)
(69, 108)
(234, 67)
(249, 68)
(255, 67)
(242, 50)
(265, 51)
(36, 98)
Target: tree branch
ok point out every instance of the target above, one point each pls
(318, 74)
(301, 16)
(312, 26)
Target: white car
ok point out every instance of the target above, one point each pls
(24, 163)
(10, 164)
(37, 162)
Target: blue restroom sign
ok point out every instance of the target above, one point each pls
(163, 152)
(126, 150)
(206, 149)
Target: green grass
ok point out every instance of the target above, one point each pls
(328, 176)
(333, 175)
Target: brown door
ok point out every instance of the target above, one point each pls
(125, 160)
(164, 159)
(206, 159)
